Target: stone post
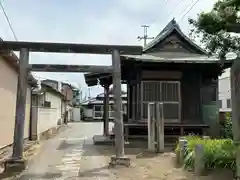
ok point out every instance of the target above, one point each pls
(182, 150)
(151, 127)
(199, 165)
(160, 127)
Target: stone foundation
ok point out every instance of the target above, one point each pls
(12, 165)
(119, 161)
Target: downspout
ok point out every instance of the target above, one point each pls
(30, 122)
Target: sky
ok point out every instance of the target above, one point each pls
(90, 21)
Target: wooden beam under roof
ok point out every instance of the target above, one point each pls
(69, 68)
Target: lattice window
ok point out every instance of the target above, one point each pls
(166, 92)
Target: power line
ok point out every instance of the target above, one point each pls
(9, 23)
(189, 9)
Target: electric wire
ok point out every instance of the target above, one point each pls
(8, 21)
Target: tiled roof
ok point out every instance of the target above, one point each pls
(171, 26)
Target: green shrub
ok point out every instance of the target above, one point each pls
(226, 127)
(218, 153)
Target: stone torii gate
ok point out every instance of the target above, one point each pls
(16, 162)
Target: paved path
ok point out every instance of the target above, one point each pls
(70, 155)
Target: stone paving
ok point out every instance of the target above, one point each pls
(70, 155)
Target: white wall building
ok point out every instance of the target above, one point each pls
(47, 112)
(225, 94)
(94, 107)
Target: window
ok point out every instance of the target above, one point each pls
(47, 104)
(229, 103)
(220, 104)
(98, 114)
(97, 108)
(98, 111)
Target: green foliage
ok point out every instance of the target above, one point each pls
(218, 153)
(226, 127)
(215, 27)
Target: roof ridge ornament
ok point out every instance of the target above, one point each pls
(174, 21)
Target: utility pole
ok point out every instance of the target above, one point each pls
(145, 35)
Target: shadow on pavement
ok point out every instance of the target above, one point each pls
(66, 145)
(97, 172)
(137, 149)
(40, 176)
(9, 175)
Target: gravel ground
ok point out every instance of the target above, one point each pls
(151, 166)
(71, 155)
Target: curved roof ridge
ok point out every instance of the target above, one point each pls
(172, 25)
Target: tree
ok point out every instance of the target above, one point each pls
(216, 28)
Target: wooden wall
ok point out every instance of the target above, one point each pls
(191, 97)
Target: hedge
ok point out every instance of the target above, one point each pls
(218, 153)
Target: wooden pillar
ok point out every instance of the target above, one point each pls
(138, 94)
(216, 123)
(141, 101)
(133, 102)
(106, 111)
(126, 128)
(128, 101)
(235, 98)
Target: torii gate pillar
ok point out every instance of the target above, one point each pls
(120, 158)
(16, 162)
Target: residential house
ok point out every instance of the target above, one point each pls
(225, 94)
(93, 108)
(67, 91)
(225, 105)
(8, 93)
(47, 110)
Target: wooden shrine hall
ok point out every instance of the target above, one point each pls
(176, 72)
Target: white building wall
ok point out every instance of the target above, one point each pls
(77, 114)
(8, 95)
(224, 93)
(88, 112)
(49, 117)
